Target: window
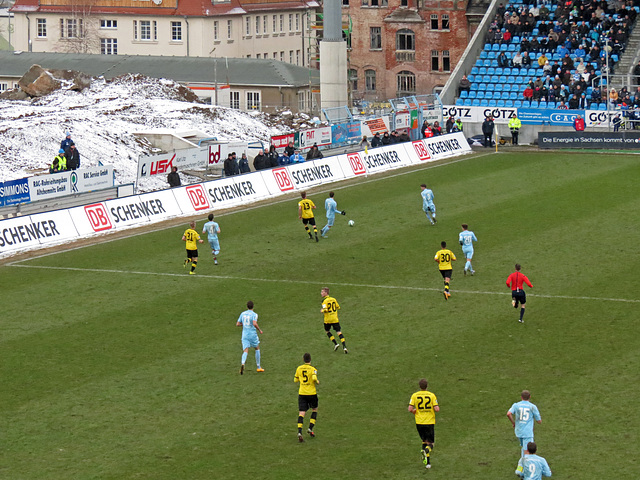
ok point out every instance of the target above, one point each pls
(275, 24)
(265, 25)
(275, 55)
(234, 100)
(290, 56)
(145, 30)
(109, 46)
(446, 61)
(70, 28)
(42, 27)
(297, 22)
(291, 22)
(281, 23)
(253, 100)
(176, 31)
(4, 86)
(345, 3)
(404, 3)
(376, 38)
(405, 40)
(353, 79)
(282, 56)
(434, 22)
(406, 83)
(445, 22)
(302, 100)
(435, 60)
(247, 26)
(375, 3)
(216, 30)
(108, 24)
(297, 57)
(365, 3)
(370, 80)
(229, 29)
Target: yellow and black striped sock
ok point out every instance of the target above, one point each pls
(315, 230)
(306, 229)
(342, 340)
(300, 420)
(193, 266)
(332, 338)
(446, 287)
(312, 422)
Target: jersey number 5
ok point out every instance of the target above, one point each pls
(305, 377)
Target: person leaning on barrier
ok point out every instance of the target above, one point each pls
(259, 161)
(62, 161)
(244, 164)
(314, 152)
(376, 141)
(272, 157)
(174, 178)
(73, 157)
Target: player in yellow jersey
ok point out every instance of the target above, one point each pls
(307, 376)
(305, 213)
(424, 405)
(330, 309)
(444, 257)
(192, 238)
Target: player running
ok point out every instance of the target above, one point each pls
(444, 257)
(249, 322)
(515, 281)
(212, 229)
(307, 376)
(466, 239)
(330, 309)
(331, 207)
(191, 238)
(427, 204)
(424, 405)
(305, 213)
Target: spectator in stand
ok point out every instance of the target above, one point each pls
(297, 157)
(544, 12)
(259, 161)
(449, 124)
(517, 60)
(173, 179)
(426, 130)
(526, 60)
(376, 141)
(580, 52)
(613, 96)
(563, 94)
(562, 51)
(386, 139)
(436, 129)
(506, 37)
(581, 67)
(73, 157)
(528, 93)
(546, 70)
(62, 161)
(464, 85)
(573, 102)
(543, 60)
(562, 106)
(228, 166)
(314, 152)
(234, 163)
(283, 160)
(503, 61)
(244, 164)
(272, 157)
(404, 136)
(394, 137)
(64, 144)
(55, 166)
(583, 103)
(289, 150)
(578, 123)
(364, 144)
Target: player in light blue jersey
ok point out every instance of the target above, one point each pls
(466, 239)
(532, 466)
(331, 207)
(249, 322)
(428, 205)
(522, 414)
(212, 229)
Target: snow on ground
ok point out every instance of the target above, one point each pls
(102, 120)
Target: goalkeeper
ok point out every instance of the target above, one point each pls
(331, 207)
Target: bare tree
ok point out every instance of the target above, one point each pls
(79, 32)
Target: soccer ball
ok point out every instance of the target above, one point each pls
(351, 223)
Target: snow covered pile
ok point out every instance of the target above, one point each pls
(102, 120)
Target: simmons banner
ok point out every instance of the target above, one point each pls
(14, 192)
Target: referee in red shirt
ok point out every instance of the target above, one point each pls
(514, 282)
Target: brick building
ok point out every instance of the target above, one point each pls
(403, 47)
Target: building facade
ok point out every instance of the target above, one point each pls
(403, 47)
(190, 28)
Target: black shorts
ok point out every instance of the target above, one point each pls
(336, 327)
(310, 221)
(519, 296)
(192, 253)
(306, 402)
(427, 432)
(446, 273)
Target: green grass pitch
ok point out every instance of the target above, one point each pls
(116, 364)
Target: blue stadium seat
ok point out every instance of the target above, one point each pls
(486, 63)
(602, 106)
(516, 40)
(475, 103)
(482, 70)
(505, 95)
(475, 70)
(467, 102)
(487, 46)
(471, 78)
(513, 96)
(614, 57)
(519, 80)
(490, 87)
(551, 104)
(484, 103)
(589, 91)
(503, 47)
(486, 78)
(459, 102)
(495, 47)
(535, 32)
(535, 104)
(491, 55)
(472, 94)
(491, 71)
(499, 71)
(493, 103)
(503, 79)
(479, 63)
(517, 103)
(498, 87)
(480, 95)
(474, 86)
(464, 94)
(494, 79)
(511, 80)
(508, 103)
(494, 63)
(483, 55)
(482, 86)
(506, 71)
(500, 103)
(511, 47)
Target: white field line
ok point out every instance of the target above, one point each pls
(241, 209)
(340, 284)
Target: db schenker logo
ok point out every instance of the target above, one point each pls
(283, 179)
(98, 217)
(422, 150)
(356, 164)
(197, 197)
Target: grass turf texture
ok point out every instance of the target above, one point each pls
(114, 374)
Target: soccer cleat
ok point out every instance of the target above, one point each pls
(464, 272)
(241, 369)
(260, 370)
(336, 347)
(513, 302)
(184, 265)
(317, 238)
(434, 220)
(428, 465)
(473, 272)
(520, 320)
(446, 295)
(300, 438)
(192, 272)
(215, 262)
(346, 351)
(425, 457)
(311, 432)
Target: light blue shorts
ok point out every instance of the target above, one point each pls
(468, 252)
(524, 441)
(215, 245)
(330, 220)
(252, 342)
(430, 208)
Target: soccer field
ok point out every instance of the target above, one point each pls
(117, 364)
